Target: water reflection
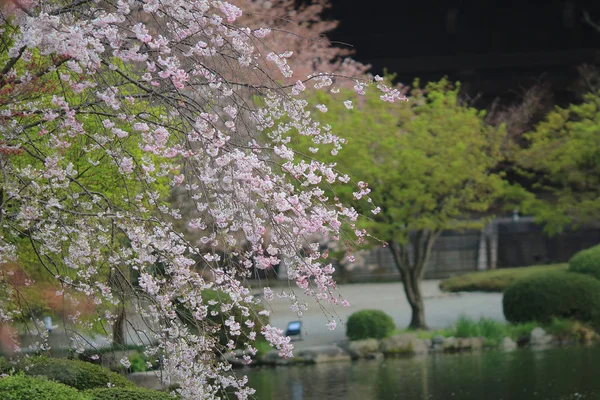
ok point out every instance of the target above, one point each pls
(554, 374)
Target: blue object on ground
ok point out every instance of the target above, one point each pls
(294, 328)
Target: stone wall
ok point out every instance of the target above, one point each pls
(503, 243)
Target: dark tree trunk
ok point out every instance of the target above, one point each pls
(120, 286)
(412, 288)
(119, 327)
(411, 272)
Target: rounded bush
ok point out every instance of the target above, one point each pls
(561, 294)
(128, 394)
(78, 374)
(367, 324)
(586, 262)
(21, 387)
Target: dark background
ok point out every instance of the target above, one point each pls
(496, 49)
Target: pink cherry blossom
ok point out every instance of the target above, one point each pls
(134, 147)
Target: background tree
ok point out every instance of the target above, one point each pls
(300, 27)
(429, 163)
(562, 163)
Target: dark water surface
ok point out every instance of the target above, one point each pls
(566, 373)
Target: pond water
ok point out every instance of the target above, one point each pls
(566, 373)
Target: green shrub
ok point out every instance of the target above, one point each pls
(466, 327)
(21, 387)
(220, 297)
(555, 294)
(128, 394)
(138, 362)
(367, 324)
(262, 347)
(586, 262)
(5, 366)
(492, 331)
(78, 374)
(494, 280)
(521, 332)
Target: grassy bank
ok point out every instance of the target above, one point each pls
(494, 331)
(493, 280)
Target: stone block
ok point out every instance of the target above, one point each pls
(323, 354)
(361, 348)
(539, 337)
(403, 344)
(507, 344)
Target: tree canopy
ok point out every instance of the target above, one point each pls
(430, 167)
(562, 162)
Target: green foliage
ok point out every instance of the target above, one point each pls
(466, 327)
(367, 324)
(565, 329)
(138, 362)
(563, 162)
(74, 373)
(5, 366)
(586, 262)
(20, 387)
(128, 394)
(491, 330)
(494, 331)
(217, 322)
(561, 294)
(429, 161)
(426, 333)
(262, 347)
(520, 331)
(495, 280)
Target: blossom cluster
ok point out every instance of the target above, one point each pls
(112, 106)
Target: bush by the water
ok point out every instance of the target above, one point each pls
(366, 324)
(128, 394)
(556, 294)
(21, 387)
(492, 331)
(78, 374)
(586, 262)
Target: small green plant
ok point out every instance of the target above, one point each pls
(492, 331)
(466, 327)
(138, 362)
(565, 329)
(366, 324)
(262, 347)
(21, 387)
(520, 331)
(128, 394)
(427, 334)
(586, 262)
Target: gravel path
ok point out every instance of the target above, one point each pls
(441, 309)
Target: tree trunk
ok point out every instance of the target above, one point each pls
(412, 288)
(411, 272)
(119, 285)
(119, 327)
